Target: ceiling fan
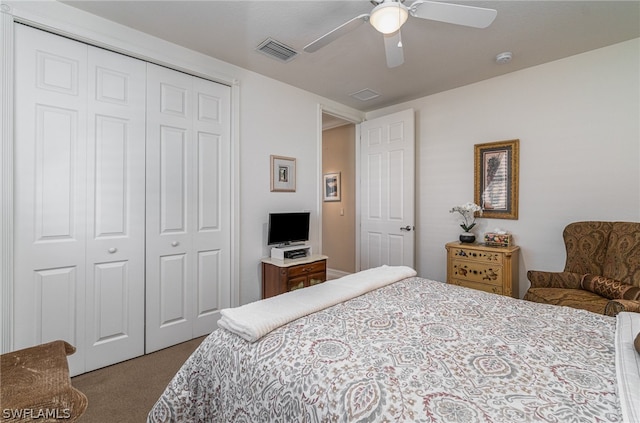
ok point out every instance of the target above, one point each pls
(388, 16)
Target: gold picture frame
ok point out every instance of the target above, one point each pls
(283, 174)
(496, 178)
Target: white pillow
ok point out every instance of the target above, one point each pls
(628, 365)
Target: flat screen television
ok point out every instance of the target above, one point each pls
(285, 228)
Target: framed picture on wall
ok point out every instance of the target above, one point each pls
(283, 174)
(496, 179)
(332, 186)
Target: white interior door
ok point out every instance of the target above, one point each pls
(115, 208)
(79, 180)
(50, 186)
(188, 198)
(387, 187)
(212, 195)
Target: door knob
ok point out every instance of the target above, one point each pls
(407, 228)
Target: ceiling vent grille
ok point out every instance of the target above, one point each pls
(365, 95)
(277, 50)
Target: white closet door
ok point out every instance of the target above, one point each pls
(115, 208)
(79, 230)
(188, 198)
(50, 191)
(212, 194)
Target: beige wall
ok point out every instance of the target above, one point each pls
(577, 121)
(338, 217)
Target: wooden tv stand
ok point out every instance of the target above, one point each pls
(280, 276)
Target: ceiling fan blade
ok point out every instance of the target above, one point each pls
(476, 17)
(336, 33)
(393, 49)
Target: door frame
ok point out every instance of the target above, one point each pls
(67, 21)
(356, 119)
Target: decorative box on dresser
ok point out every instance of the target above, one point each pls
(483, 267)
(280, 276)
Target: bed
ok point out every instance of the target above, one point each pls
(386, 345)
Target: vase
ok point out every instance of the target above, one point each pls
(467, 237)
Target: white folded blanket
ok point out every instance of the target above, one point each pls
(254, 320)
(628, 365)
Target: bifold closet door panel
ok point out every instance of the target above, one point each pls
(50, 191)
(212, 228)
(169, 156)
(79, 199)
(115, 208)
(188, 206)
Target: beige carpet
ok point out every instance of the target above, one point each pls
(125, 392)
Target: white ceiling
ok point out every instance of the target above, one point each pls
(438, 56)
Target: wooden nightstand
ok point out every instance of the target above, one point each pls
(478, 266)
(279, 276)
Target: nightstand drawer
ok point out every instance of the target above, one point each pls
(483, 256)
(477, 272)
(495, 289)
(305, 269)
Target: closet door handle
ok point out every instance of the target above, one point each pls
(175, 243)
(112, 250)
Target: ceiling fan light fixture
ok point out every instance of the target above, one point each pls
(389, 16)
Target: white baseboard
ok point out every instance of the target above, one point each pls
(335, 274)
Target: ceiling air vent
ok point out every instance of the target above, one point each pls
(365, 95)
(277, 50)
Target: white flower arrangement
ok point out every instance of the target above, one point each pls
(468, 212)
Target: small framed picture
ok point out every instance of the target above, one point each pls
(283, 174)
(332, 186)
(496, 178)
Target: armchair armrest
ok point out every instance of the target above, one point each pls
(542, 279)
(614, 307)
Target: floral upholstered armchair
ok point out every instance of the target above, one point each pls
(602, 272)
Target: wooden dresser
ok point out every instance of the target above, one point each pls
(478, 266)
(279, 276)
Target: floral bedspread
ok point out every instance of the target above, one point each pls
(414, 351)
